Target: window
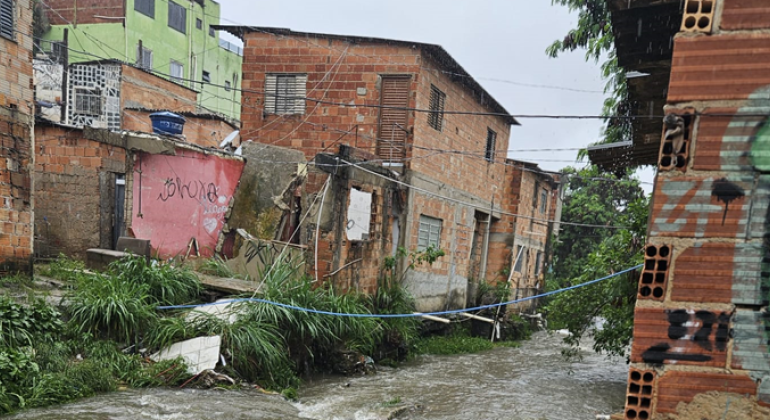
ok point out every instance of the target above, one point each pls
(88, 101)
(145, 7)
(429, 233)
(285, 93)
(198, 23)
(437, 100)
(227, 85)
(143, 57)
(206, 76)
(489, 154)
(177, 17)
(539, 263)
(543, 201)
(520, 255)
(177, 71)
(8, 19)
(58, 52)
(212, 33)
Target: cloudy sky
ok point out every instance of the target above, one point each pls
(500, 42)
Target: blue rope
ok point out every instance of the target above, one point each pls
(455, 311)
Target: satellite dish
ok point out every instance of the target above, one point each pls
(229, 139)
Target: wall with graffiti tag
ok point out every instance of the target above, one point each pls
(182, 197)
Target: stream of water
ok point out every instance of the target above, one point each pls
(532, 382)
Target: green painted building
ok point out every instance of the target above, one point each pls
(172, 38)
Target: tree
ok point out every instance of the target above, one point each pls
(585, 253)
(594, 33)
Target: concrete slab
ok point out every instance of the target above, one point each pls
(199, 353)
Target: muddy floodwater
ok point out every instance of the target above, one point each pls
(530, 382)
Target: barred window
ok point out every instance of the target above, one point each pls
(489, 153)
(543, 201)
(285, 93)
(177, 17)
(145, 7)
(429, 233)
(8, 19)
(437, 100)
(88, 102)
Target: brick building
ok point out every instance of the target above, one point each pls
(534, 197)
(16, 137)
(174, 39)
(85, 178)
(397, 105)
(701, 323)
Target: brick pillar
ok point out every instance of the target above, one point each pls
(700, 321)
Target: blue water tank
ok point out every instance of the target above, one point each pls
(167, 123)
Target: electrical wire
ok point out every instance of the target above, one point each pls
(411, 315)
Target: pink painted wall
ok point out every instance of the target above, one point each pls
(180, 197)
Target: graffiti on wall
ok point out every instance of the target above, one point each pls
(181, 197)
(255, 256)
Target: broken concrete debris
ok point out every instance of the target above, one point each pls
(199, 354)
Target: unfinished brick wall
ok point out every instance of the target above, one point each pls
(69, 188)
(142, 89)
(64, 12)
(338, 71)
(701, 320)
(205, 131)
(16, 144)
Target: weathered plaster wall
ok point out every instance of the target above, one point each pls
(181, 197)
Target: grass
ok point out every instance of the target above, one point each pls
(459, 342)
(217, 266)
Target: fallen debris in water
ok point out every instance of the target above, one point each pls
(199, 354)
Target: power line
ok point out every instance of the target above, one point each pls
(411, 315)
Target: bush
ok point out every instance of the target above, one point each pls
(111, 306)
(166, 284)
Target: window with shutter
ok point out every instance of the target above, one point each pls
(392, 134)
(437, 100)
(177, 17)
(285, 93)
(145, 7)
(489, 154)
(8, 19)
(429, 233)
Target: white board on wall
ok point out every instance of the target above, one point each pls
(359, 215)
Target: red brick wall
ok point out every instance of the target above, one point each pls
(67, 168)
(62, 12)
(469, 171)
(335, 70)
(699, 321)
(16, 144)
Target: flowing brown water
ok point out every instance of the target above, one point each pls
(530, 382)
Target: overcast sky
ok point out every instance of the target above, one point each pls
(491, 39)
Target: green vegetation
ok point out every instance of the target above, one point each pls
(459, 342)
(586, 253)
(593, 32)
(217, 266)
